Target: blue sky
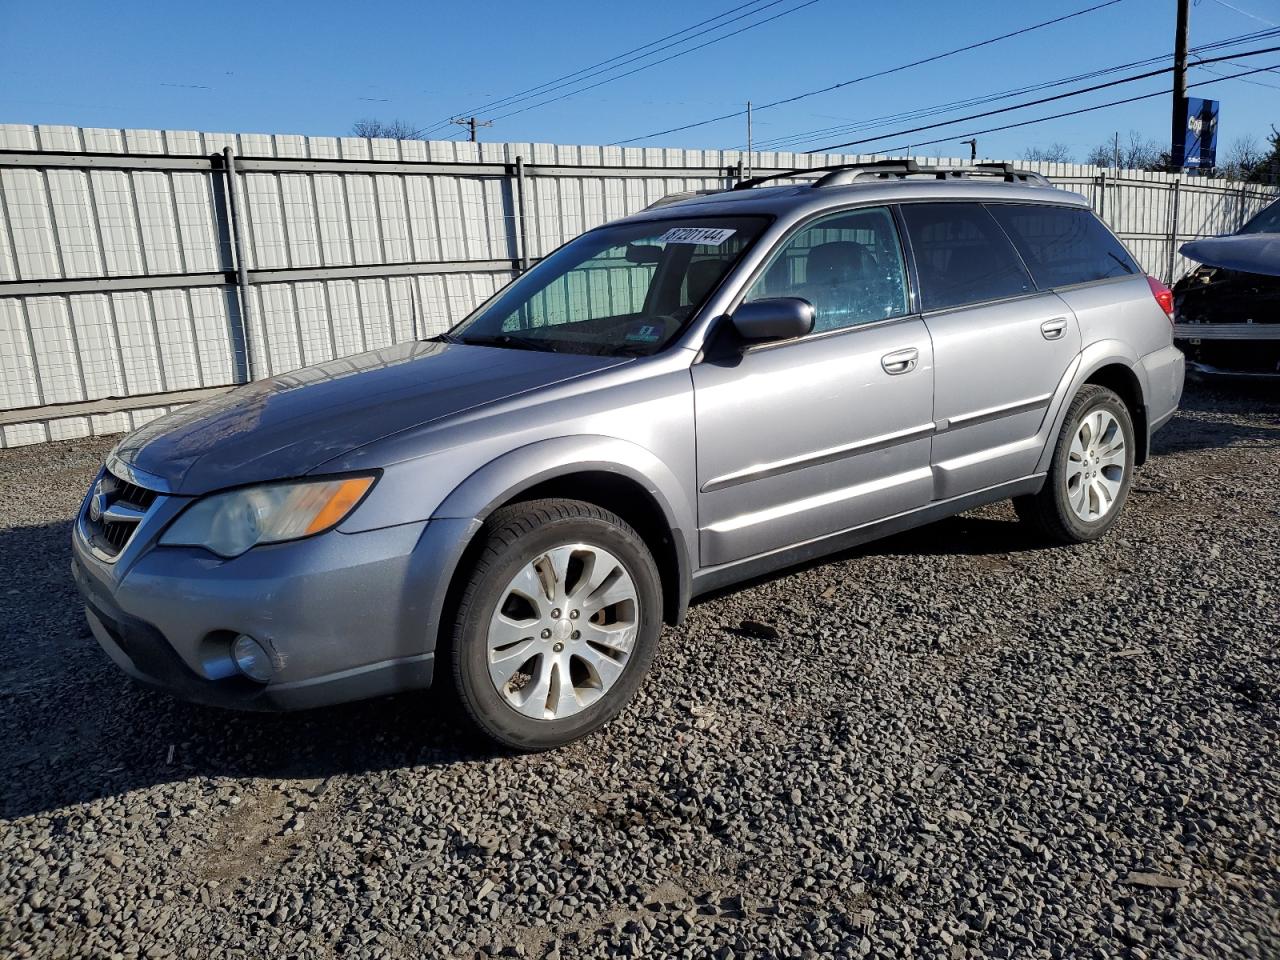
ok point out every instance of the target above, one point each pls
(314, 68)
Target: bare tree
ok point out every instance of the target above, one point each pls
(1267, 168)
(394, 130)
(1053, 153)
(1245, 154)
(1135, 153)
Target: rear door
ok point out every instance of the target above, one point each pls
(805, 438)
(1001, 346)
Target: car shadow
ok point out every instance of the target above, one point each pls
(970, 534)
(1199, 424)
(77, 729)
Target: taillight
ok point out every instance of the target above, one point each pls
(1163, 295)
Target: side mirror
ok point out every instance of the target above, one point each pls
(777, 318)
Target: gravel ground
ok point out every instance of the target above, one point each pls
(950, 743)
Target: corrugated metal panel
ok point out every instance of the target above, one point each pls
(78, 224)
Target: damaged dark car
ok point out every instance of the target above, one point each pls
(1228, 308)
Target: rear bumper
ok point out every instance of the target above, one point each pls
(342, 616)
(1166, 373)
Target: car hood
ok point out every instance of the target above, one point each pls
(1246, 252)
(292, 424)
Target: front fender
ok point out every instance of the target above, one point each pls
(509, 475)
(459, 516)
(512, 473)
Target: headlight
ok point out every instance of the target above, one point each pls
(230, 523)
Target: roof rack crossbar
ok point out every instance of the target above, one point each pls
(908, 168)
(833, 168)
(842, 173)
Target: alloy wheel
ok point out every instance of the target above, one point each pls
(1095, 465)
(563, 631)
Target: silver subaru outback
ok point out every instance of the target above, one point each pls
(715, 388)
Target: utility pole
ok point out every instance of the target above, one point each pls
(472, 122)
(748, 138)
(1117, 153)
(1178, 139)
(973, 149)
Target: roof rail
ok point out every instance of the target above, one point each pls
(683, 195)
(843, 173)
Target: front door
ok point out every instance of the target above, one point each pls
(809, 437)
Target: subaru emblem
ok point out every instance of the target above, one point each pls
(97, 502)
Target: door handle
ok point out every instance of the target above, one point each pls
(1054, 329)
(900, 361)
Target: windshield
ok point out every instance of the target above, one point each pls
(626, 289)
(1268, 221)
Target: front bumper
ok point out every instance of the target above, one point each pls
(1231, 349)
(344, 616)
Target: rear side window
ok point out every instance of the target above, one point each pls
(1063, 245)
(962, 255)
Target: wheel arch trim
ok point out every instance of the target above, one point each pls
(1095, 357)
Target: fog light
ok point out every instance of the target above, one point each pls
(254, 661)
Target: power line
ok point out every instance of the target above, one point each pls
(618, 61)
(1246, 13)
(781, 141)
(1073, 113)
(880, 73)
(553, 85)
(854, 127)
(1227, 76)
(1032, 103)
(654, 63)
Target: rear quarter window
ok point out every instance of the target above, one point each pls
(1063, 245)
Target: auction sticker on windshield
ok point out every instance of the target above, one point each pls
(706, 236)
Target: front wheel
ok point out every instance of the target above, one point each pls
(1090, 472)
(557, 625)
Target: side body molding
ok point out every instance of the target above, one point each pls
(513, 473)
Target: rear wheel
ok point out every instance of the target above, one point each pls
(1090, 472)
(557, 625)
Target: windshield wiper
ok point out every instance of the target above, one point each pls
(445, 338)
(510, 340)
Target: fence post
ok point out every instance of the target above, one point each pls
(1102, 195)
(1173, 229)
(520, 215)
(237, 247)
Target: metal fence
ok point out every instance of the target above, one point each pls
(143, 269)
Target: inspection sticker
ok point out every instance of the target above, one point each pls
(706, 236)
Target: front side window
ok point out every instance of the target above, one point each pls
(1063, 245)
(962, 255)
(627, 288)
(848, 265)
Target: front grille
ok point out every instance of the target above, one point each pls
(107, 534)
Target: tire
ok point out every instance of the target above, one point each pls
(1086, 471)
(574, 653)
